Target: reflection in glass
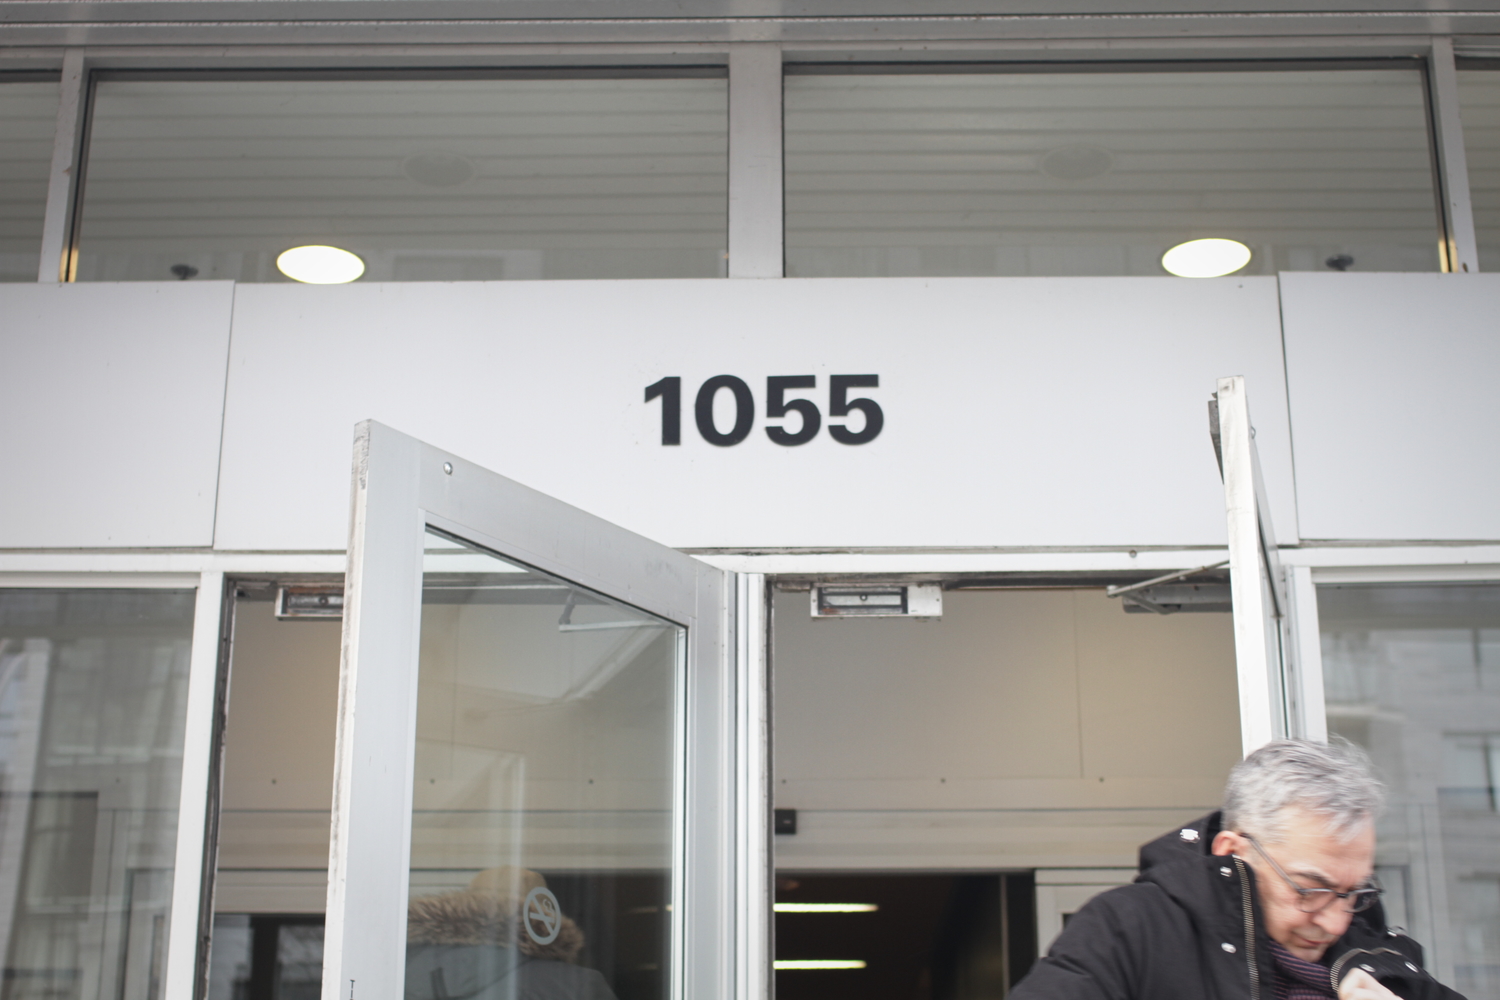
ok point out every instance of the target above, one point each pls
(28, 117)
(1413, 674)
(1100, 173)
(266, 957)
(424, 180)
(1479, 102)
(92, 697)
(543, 799)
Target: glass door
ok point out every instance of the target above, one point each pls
(539, 762)
(1272, 697)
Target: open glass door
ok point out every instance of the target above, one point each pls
(539, 765)
(1278, 697)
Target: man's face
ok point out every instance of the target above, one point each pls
(1314, 859)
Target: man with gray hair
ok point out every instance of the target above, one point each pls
(1272, 898)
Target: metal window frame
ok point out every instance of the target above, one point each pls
(67, 179)
(196, 804)
(403, 487)
(57, 258)
(756, 204)
(1457, 248)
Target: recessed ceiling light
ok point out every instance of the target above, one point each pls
(1211, 258)
(438, 169)
(1077, 163)
(826, 907)
(317, 265)
(784, 964)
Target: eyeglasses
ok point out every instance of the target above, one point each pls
(1315, 900)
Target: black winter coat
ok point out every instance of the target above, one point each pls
(1190, 928)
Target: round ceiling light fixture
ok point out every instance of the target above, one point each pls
(319, 265)
(438, 169)
(1212, 258)
(1077, 163)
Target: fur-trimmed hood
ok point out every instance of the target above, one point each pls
(485, 917)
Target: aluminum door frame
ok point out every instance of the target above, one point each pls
(400, 487)
(1274, 605)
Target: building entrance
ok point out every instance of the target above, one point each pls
(1030, 736)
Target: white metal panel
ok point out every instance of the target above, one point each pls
(1051, 412)
(755, 175)
(1391, 393)
(110, 420)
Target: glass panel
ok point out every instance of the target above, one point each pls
(1101, 173)
(425, 180)
(1413, 674)
(266, 957)
(93, 687)
(543, 803)
(28, 117)
(1479, 101)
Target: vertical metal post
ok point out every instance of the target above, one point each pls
(1312, 721)
(1257, 645)
(753, 820)
(59, 257)
(756, 226)
(1461, 246)
(192, 808)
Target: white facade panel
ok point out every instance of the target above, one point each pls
(1391, 380)
(111, 413)
(1018, 412)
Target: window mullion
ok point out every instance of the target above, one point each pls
(755, 175)
(56, 262)
(1462, 252)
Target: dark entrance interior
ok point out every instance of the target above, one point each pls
(928, 936)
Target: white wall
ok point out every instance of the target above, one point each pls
(111, 401)
(1018, 411)
(1025, 728)
(278, 763)
(1393, 385)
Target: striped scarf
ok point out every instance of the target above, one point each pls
(1296, 979)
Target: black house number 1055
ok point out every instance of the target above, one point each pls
(669, 391)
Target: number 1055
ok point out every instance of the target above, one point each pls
(778, 407)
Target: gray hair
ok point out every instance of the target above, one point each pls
(1332, 780)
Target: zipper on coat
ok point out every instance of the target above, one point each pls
(1250, 930)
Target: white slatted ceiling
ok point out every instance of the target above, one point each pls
(28, 116)
(943, 174)
(573, 178)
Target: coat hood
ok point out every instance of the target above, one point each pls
(1194, 840)
(486, 917)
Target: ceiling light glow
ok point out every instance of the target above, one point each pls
(788, 964)
(1210, 258)
(319, 265)
(827, 907)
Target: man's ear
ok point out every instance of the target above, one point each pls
(1226, 842)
